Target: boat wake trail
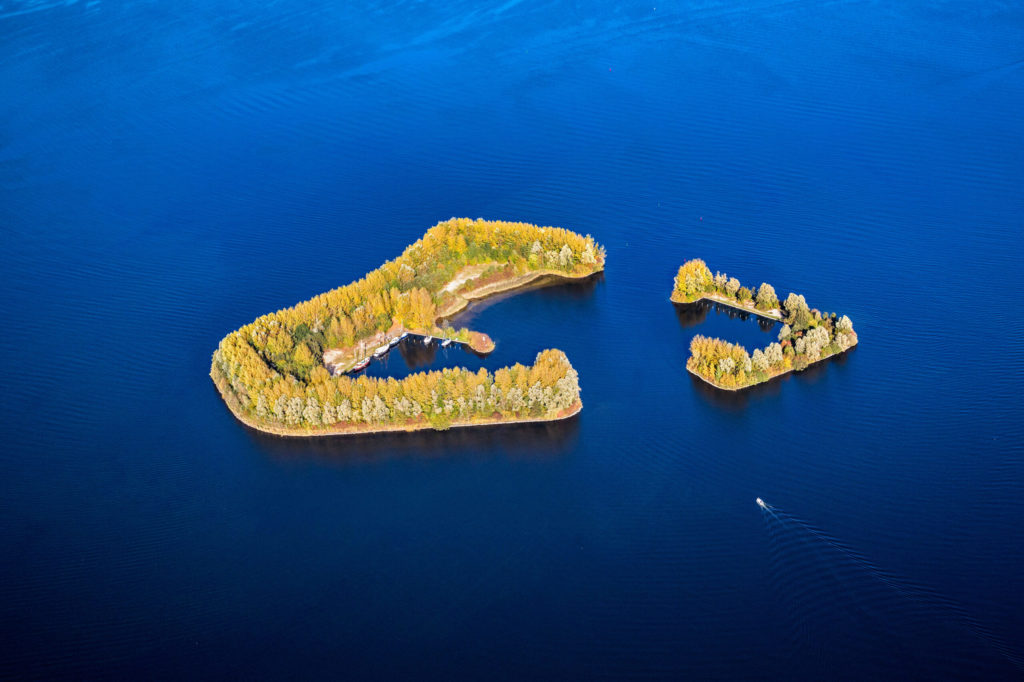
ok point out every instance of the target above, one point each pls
(848, 617)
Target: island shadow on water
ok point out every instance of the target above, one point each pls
(535, 440)
(693, 314)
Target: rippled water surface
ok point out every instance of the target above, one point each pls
(168, 172)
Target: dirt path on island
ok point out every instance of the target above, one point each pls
(464, 275)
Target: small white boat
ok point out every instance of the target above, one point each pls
(446, 343)
(360, 365)
(381, 351)
(393, 342)
(403, 336)
(761, 504)
(427, 340)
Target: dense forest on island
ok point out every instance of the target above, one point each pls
(271, 372)
(807, 334)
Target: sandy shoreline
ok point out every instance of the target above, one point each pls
(506, 286)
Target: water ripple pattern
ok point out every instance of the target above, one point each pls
(169, 172)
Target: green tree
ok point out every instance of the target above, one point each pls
(798, 315)
(766, 298)
(759, 360)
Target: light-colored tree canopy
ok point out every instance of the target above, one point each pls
(766, 298)
(693, 279)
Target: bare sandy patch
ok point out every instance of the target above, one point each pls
(465, 274)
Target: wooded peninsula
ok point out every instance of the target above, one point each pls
(807, 335)
(286, 373)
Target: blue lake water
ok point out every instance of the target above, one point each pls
(169, 172)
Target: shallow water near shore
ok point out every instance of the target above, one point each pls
(169, 174)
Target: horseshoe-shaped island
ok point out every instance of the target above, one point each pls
(807, 336)
(287, 373)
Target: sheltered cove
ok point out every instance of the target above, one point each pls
(285, 373)
(807, 337)
(478, 342)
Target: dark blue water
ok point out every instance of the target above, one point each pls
(169, 172)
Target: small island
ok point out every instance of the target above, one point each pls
(288, 373)
(807, 335)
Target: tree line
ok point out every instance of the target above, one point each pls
(438, 398)
(694, 280)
